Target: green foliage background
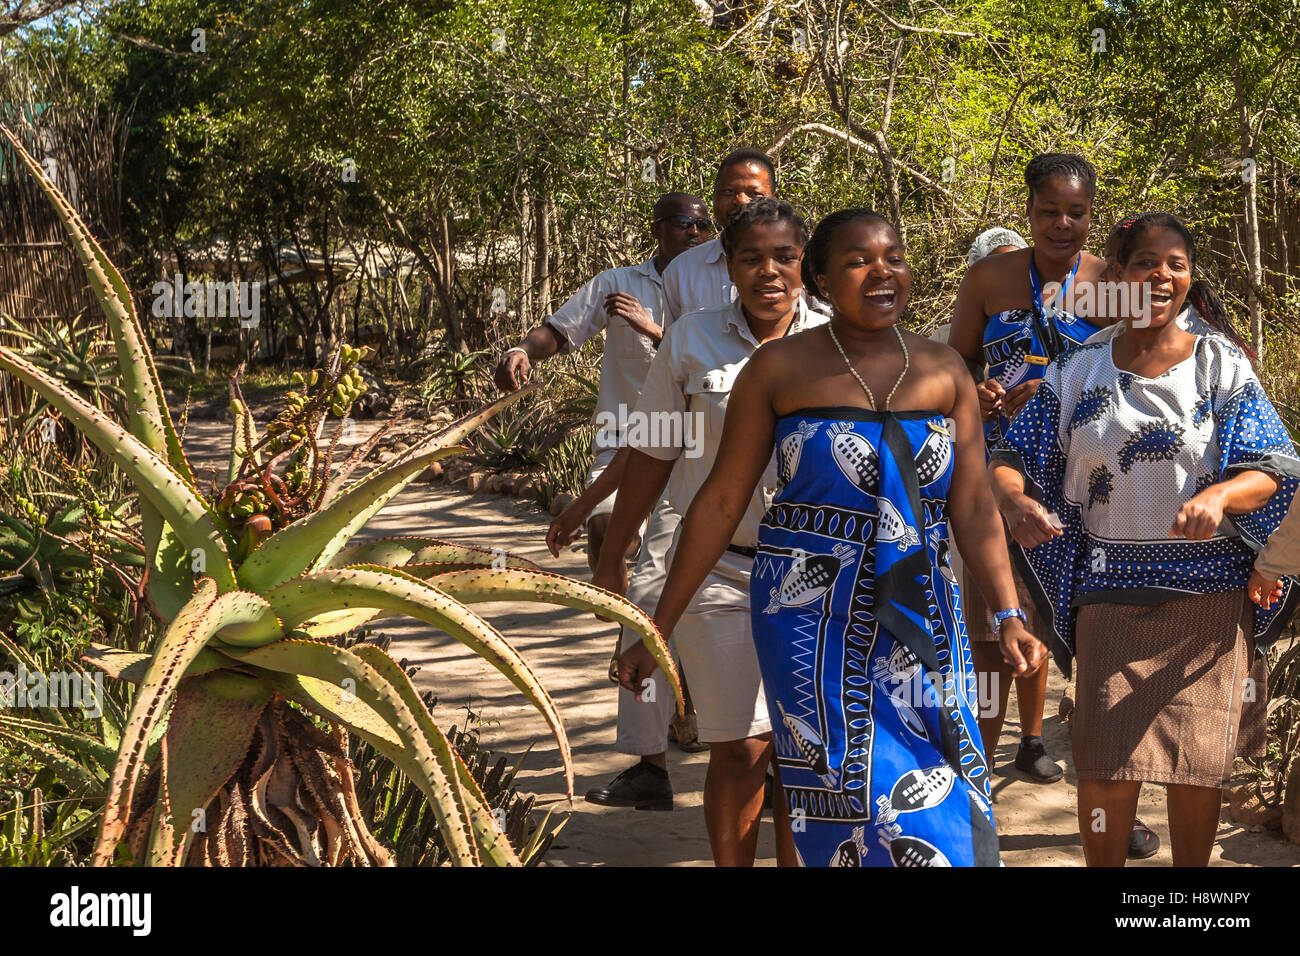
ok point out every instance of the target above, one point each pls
(476, 114)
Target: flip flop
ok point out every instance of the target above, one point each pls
(1143, 843)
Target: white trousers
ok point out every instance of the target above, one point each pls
(643, 725)
(716, 642)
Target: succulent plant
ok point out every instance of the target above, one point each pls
(242, 774)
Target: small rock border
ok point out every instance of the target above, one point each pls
(523, 487)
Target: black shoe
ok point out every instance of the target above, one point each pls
(1143, 842)
(643, 786)
(1032, 759)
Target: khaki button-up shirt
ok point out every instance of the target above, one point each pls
(684, 403)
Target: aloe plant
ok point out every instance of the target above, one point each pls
(250, 607)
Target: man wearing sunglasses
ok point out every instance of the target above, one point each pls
(633, 295)
(627, 305)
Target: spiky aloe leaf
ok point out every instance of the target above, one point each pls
(312, 542)
(208, 734)
(149, 419)
(131, 666)
(331, 702)
(250, 620)
(304, 598)
(170, 581)
(342, 667)
(384, 742)
(73, 740)
(475, 586)
(435, 557)
(176, 651)
(204, 616)
(397, 552)
(334, 623)
(486, 827)
(489, 834)
(450, 553)
(304, 543)
(152, 422)
(156, 482)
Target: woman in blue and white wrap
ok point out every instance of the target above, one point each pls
(857, 620)
(1139, 482)
(1007, 318)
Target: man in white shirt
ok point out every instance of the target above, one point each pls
(689, 384)
(698, 278)
(627, 304)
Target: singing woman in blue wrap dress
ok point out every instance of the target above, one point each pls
(857, 623)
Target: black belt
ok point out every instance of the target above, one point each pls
(742, 551)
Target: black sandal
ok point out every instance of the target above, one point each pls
(1143, 843)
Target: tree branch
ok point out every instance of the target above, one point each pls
(821, 129)
(17, 15)
(908, 28)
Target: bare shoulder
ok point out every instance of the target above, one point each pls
(789, 349)
(935, 357)
(995, 270)
(1091, 267)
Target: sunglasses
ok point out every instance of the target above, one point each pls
(685, 222)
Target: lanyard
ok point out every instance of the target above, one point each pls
(1048, 333)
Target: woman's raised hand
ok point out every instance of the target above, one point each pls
(990, 392)
(1029, 521)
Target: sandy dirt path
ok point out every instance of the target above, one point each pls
(570, 653)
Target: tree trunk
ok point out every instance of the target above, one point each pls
(447, 248)
(543, 266)
(1280, 208)
(1254, 265)
(890, 174)
(626, 30)
(525, 261)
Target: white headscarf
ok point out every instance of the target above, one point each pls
(990, 239)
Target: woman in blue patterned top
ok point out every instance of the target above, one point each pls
(1139, 481)
(1007, 317)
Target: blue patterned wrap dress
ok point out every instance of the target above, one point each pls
(1016, 353)
(858, 626)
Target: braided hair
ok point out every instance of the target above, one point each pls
(1116, 233)
(818, 248)
(1046, 165)
(761, 211)
(1201, 294)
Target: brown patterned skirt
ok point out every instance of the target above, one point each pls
(1167, 694)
